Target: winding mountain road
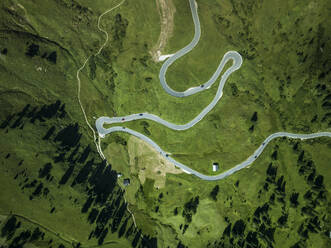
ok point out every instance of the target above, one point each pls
(237, 61)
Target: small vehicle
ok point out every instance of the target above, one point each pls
(140, 114)
(123, 119)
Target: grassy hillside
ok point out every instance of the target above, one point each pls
(288, 90)
(53, 181)
(56, 191)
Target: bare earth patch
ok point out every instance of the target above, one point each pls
(148, 163)
(166, 10)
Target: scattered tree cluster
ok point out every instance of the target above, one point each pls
(214, 192)
(259, 229)
(34, 50)
(119, 30)
(18, 236)
(253, 120)
(190, 208)
(42, 114)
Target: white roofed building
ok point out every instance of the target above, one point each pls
(215, 167)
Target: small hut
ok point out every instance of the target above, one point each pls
(126, 181)
(215, 166)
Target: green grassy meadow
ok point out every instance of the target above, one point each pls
(284, 79)
(282, 98)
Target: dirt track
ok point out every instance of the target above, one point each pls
(166, 10)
